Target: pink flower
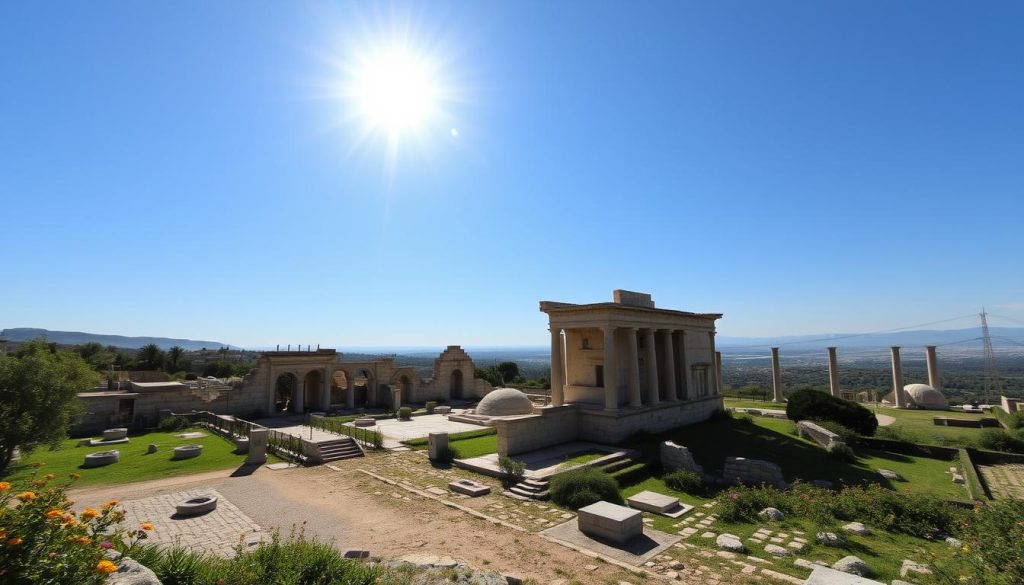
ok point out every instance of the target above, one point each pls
(106, 544)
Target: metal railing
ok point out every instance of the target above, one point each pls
(369, 438)
(285, 446)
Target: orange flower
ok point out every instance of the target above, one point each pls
(105, 566)
(4, 486)
(146, 526)
(26, 496)
(55, 513)
(15, 541)
(3, 534)
(83, 540)
(110, 504)
(89, 513)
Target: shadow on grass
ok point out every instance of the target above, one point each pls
(711, 442)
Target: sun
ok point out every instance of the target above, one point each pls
(395, 90)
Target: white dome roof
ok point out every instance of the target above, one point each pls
(504, 402)
(924, 396)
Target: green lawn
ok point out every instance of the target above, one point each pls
(774, 440)
(916, 426)
(468, 444)
(135, 463)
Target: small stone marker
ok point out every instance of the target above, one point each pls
(910, 566)
(957, 478)
(823, 575)
(611, 521)
(443, 410)
(471, 488)
(257, 447)
(730, 542)
(437, 444)
(829, 538)
(772, 514)
(776, 550)
(151, 448)
(857, 528)
(656, 503)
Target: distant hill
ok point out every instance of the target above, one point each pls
(78, 337)
(1001, 336)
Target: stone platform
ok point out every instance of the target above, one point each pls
(635, 552)
(610, 521)
(658, 504)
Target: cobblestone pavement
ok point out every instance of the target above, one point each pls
(1004, 481)
(217, 532)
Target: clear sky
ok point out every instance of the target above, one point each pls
(209, 169)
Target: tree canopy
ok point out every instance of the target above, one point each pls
(39, 396)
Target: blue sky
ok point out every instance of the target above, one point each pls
(190, 169)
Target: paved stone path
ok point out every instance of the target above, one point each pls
(217, 532)
(1004, 481)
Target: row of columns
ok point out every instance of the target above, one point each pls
(833, 374)
(673, 392)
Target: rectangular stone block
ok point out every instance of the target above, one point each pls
(610, 521)
(469, 487)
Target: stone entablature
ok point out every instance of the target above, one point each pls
(629, 353)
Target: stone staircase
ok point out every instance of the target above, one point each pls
(539, 489)
(344, 448)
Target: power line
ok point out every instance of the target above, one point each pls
(1007, 318)
(853, 335)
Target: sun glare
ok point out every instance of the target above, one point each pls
(395, 90)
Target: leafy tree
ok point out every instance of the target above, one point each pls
(490, 374)
(174, 356)
(39, 396)
(509, 371)
(150, 357)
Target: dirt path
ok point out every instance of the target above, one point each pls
(357, 511)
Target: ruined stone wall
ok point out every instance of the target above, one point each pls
(819, 434)
(678, 457)
(552, 426)
(753, 472)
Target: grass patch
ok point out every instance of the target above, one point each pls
(468, 444)
(581, 458)
(135, 463)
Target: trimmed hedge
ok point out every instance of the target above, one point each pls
(584, 486)
(810, 404)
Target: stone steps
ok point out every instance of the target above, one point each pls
(534, 489)
(340, 449)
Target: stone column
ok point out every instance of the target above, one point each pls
(897, 378)
(685, 376)
(933, 368)
(718, 372)
(611, 371)
(299, 396)
(713, 370)
(257, 447)
(635, 399)
(669, 353)
(350, 392)
(833, 372)
(557, 368)
(325, 397)
(776, 377)
(651, 356)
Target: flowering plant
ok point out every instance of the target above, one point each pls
(44, 541)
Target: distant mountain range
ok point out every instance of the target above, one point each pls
(78, 337)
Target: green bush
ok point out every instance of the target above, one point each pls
(405, 413)
(584, 486)
(430, 406)
(684, 480)
(842, 452)
(1000, 440)
(810, 404)
(512, 471)
(172, 423)
(991, 550)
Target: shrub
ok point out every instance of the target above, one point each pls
(1000, 440)
(44, 541)
(991, 548)
(810, 404)
(584, 486)
(405, 413)
(685, 480)
(430, 406)
(172, 423)
(842, 452)
(512, 470)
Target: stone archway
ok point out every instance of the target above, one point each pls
(339, 387)
(405, 386)
(455, 384)
(363, 388)
(313, 383)
(284, 391)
